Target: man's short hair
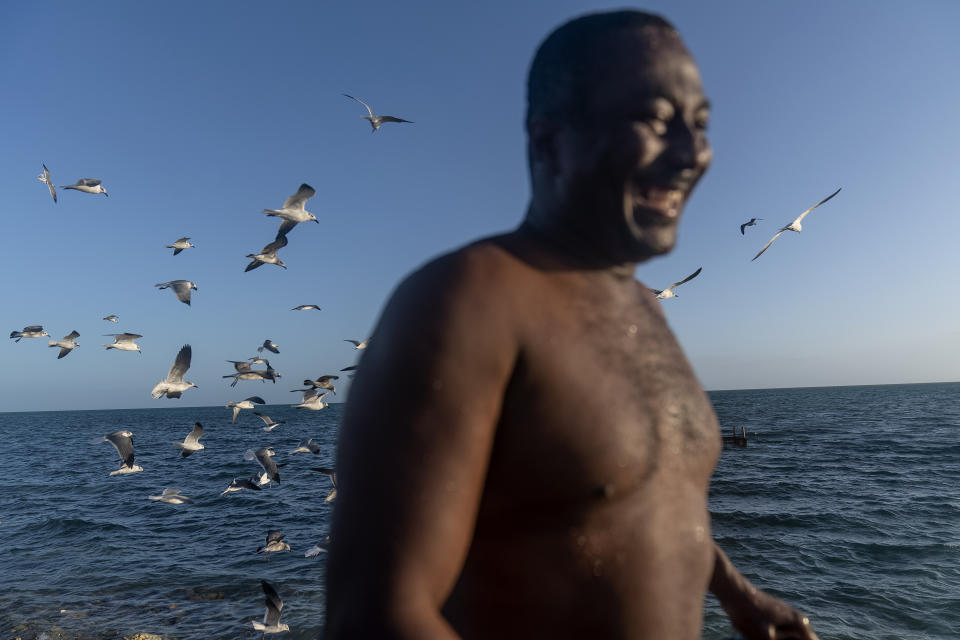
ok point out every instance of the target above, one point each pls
(568, 61)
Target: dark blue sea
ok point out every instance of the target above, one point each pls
(845, 502)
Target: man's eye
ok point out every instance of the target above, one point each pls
(657, 125)
(702, 122)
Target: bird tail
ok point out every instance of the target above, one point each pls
(16, 334)
(271, 212)
(51, 343)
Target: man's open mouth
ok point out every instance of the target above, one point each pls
(665, 201)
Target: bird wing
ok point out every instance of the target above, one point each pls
(32, 328)
(309, 395)
(194, 436)
(285, 227)
(393, 119)
(72, 335)
(266, 419)
(124, 337)
(240, 366)
(356, 343)
(275, 534)
(299, 199)
(779, 233)
(323, 379)
(256, 399)
(369, 110)
(744, 226)
(353, 367)
(687, 279)
(804, 214)
(274, 605)
(279, 242)
(182, 289)
(123, 442)
(269, 346)
(64, 351)
(179, 240)
(88, 182)
(181, 364)
(267, 463)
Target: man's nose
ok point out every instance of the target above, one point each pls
(687, 148)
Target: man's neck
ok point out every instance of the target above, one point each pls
(571, 248)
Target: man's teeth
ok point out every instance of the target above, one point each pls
(667, 199)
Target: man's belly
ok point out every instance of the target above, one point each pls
(632, 566)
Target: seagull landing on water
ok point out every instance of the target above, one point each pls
(180, 287)
(124, 341)
(269, 346)
(244, 404)
(668, 292)
(306, 307)
(33, 331)
(122, 440)
(47, 180)
(333, 478)
(112, 318)
(180, 245)
(376, 121)
(751, 223)
(270, 423)
(87, 185)
(268, 255)
(192, 442)
(271, 619)
(357, 345)
(312, 400)
(67, 344)
(265, 458)
(171, 496)
(795, 225)
(307, 446)
(293, 212)
(174, 385)
(274, 543)
(239, 484)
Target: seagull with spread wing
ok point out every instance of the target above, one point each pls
(668, 292)
(244, 404)
(271, 619)
(293, 211)
(268, 255)
(33, 331)
(192, 442)
(180, 244)
(47, 180)
(181, 288)
(124, 341)
(795, 225)
(122, 441)
(749, 223)
(376, 121)
(87, 185)
(174, 385)
(67, 344)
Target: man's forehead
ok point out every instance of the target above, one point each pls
(649, 61)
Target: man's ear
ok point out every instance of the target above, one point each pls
(542, 141)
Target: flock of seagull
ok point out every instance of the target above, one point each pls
(663, 294)
(173, 385)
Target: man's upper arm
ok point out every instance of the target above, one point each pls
(416, 439)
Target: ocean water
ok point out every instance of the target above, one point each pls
(846, 503)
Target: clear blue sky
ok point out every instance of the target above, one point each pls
(197, 116)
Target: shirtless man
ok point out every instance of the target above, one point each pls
(526, 451)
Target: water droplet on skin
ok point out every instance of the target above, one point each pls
(632, 330)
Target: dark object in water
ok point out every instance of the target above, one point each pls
(736, 440)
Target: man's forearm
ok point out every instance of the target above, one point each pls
(726, 581)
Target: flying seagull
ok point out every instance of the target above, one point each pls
(332, 474)
(274, 543)
(265, 458)
(323, 382)
(47, 180)
(270, 423)
(269, 346)
(359, 345)
(180, 287)
(174, 385)
(180, 245)
(317, 549)
(752, 222)
(271, 619)
(192, 442)
(171, 496)
(376, 121)
(240, 366)
(306, 307)
(668, 292)
(112, 318)
(239, 484)
(87, 185)
(795, 225)
(67, 344)
(268, 255)
(307, 446)
(244, 404)
(33, 331)
(124, 341)
(122, 440)
(312, 400)
(293, 212)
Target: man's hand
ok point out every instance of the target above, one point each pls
(755, 614)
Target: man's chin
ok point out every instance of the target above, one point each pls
(652, 238)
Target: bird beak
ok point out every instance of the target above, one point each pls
(106, 194)
(317, 221)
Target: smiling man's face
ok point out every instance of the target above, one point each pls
(627, 167)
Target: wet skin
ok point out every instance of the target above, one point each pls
(542, 469)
